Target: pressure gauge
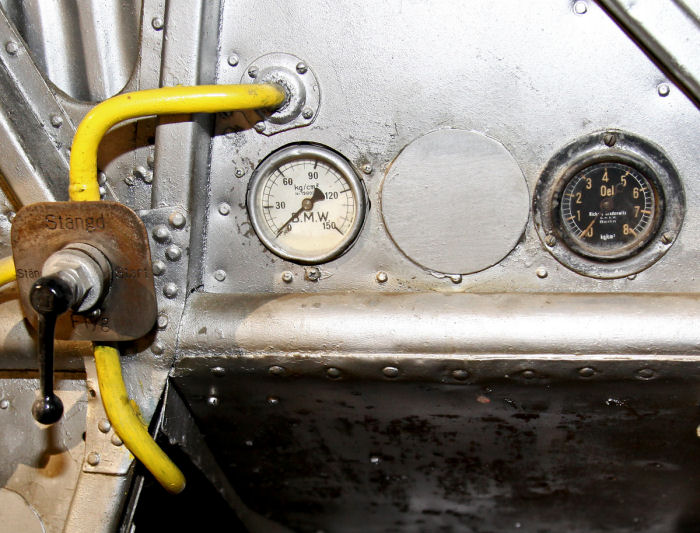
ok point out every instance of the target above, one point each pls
(306, 203)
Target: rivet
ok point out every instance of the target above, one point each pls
(375, 459)
(382, 277)
(11, 47)
(56, 121)
(529, 374)
(390, 371)
(4, 404)
(580, 7)
(455, 278)
(224, 209)
(667, 238)
(301, 67)
(272, 400)
(460, 374)
(610, 139)
(213, 401)
(233, 60)
(307, 113)
(287, 276)
(541, 272)
(116, 441)
(161, 234)
(104, 426)
(158, 268)
(170, 290)
(550, 240)
(129, 180)
(367, 169)
(276, 370)
(93, 458)
(220, 275)
(173, 252)
(218, 371)
(157, 23)
(312, 273)
(259, 127)
(663, 89)
(333, 372)
(177, 220)
(162, 321)
(239, 172)
(645, 373)
(586, 372)
(253, 71)
(157, 348)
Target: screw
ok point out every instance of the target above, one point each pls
(157, 348)
(610, 139)
(367, 169)
(11, 47)
(224, 209)
(541, 272)
(158, 268)
(161, 234)
(390, 371)
(170, 290)
(259, 127)
(663, 89)
(253, 72)
(233, 60)
(93, 458)
(56, 121)
(307, 113)
(157, 23)
(116, 441)
(312, 273)
(129, 180)
(460, 374)
(302, 68)
(173, 252)
(4, 404)
(220, 275)
(550, 240)
(333, 373)
(667, 238)
(213, 401)
(240, 172)
(645, 373)
(177, 220)
(287, 276)
(218, 371)
(382, 277)
(104, 426)
(586, 372)
(580, 7)
(276, 370)
(162, 321)
(272, 400)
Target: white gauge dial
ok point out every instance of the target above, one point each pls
(306, 203)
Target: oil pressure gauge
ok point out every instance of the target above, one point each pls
(306, 203)
(609, 205)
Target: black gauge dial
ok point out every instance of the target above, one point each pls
(608, 210)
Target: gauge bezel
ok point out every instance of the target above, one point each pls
(295, 152)
(613, 147)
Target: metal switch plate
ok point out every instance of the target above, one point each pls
(129, 309)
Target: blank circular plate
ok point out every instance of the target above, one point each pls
(455, 201)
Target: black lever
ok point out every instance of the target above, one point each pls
(50, 296)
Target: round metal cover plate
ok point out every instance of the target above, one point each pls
(455, 201)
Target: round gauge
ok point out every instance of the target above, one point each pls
(306, 203)
(608, 210)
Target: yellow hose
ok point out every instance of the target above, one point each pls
(84, 187)
(7, 271)
(165, 101)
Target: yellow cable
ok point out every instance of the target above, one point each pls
(84, 187)
(7, 271)
(165, 101)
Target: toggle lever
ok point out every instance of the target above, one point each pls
(75, 277)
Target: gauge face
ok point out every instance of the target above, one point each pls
(608, 210)
(306, 203)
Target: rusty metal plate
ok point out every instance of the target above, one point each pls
(129, 309)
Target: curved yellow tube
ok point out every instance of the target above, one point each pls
(127, 424)
(7, 271)
(165, 101)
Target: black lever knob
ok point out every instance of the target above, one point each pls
(50, 296)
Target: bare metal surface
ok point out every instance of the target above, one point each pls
(97, 502)
(17, 513)
(455, 201)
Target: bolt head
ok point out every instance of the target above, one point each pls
(11, 47)
(550, 240)
(302, 68)
(610, 139)
(333, 373)
(177, 220)
(129, 180)
(259, 127)
(220, 275)
(233, 60)
(541, 272)
(667, 238)
(213, 401)
(455, 278)
(170, 290)
(645, 373)
(157, 23)
(287, 277)
(157, 348)
(240, 172)
(382, 277)
(158, 268)
(224, 209)
(586, 372)
(276, 370)
(460, 374)
(161, 234)
(173, 252)
(580, 7)
(253, 72)
(663, 89)
(367, 169)
(312, 274)
(390, 371)
(307, 113)
(162, 321)
(529, 374)
(93, 458)
(56, 121)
